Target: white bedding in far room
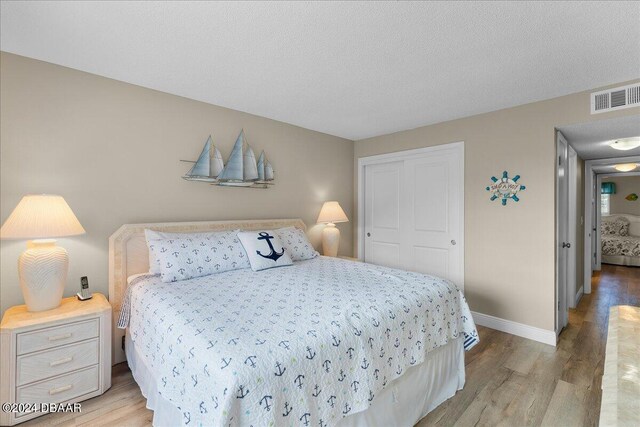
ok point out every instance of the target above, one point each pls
(621, 245)
(617, 248)
(307, 344)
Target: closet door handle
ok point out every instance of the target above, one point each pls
(453, 242)
(566, 245)
(368, 234)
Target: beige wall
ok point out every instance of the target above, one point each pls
(113, 149)
(509, 251)
(625, 186)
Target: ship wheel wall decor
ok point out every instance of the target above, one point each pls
(505, 188)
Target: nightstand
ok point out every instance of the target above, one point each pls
(55, 356)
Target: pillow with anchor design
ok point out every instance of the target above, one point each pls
(182, 259)
(295, 242)
(154, 239)
(264, 249)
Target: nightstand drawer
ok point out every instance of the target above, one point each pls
(43, 339)
(62, 388)
(49, 363)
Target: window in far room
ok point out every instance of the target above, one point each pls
(605, 204)
(606, 190)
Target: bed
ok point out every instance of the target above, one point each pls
(325, 341)
(621, 249)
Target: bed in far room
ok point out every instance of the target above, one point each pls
(620, 235)
(324, 341)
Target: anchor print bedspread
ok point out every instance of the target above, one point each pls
(301, 345)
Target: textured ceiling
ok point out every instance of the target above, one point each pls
(591, 140)
(351, 69)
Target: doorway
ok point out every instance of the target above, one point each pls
(566, 172)
(411, 210)
(595, 170)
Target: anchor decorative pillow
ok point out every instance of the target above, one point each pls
(295, 242)
(182, 259)
(264, 249)
(227, 242)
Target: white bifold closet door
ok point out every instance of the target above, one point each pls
(414, 213)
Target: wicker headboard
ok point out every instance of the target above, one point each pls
(128, 255)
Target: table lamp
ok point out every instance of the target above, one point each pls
(331, 213)
(43, 267)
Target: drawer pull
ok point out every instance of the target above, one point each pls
(60, 337)
(60, 389)
(61, 361)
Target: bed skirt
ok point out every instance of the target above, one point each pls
(403, 403)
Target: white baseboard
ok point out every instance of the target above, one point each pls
(515, 328)
(579, 295)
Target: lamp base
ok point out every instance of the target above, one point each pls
(330, 240)
(42, 269)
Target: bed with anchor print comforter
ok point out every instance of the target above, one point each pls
(301, 345)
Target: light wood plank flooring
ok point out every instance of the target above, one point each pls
(511, 381)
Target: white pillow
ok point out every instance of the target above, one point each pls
(617, 227)
(153, 237)
(182, 259)
(295, 242)
(264, 249)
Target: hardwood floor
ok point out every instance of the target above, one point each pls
(511, 381)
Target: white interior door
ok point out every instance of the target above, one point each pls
(562, 231)
(598, 222)
(595, 209)
(572, 224)
(384, 194)
(434, 215)
(414, 211)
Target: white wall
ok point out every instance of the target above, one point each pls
(625, 185)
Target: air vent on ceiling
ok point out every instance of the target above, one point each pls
(615, 99)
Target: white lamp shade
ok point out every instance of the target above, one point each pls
(41, 216)
(331, 212)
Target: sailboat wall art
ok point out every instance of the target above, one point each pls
(240, 170)
(208, 166)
